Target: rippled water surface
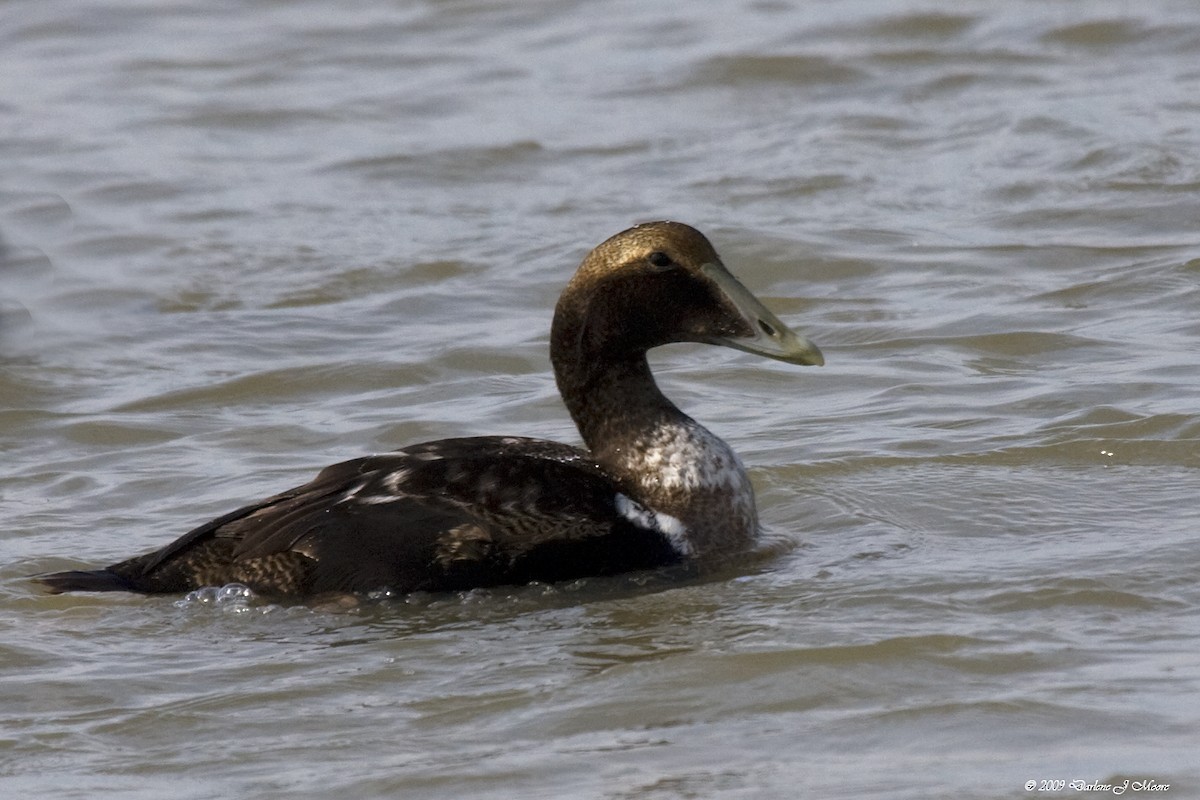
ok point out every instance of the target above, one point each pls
(240, 241)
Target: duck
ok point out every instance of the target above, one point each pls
(650, 488)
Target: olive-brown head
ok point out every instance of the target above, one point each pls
(662, 282)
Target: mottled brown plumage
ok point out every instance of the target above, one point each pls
(652, 488)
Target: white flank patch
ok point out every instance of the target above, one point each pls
(675, 531)
(378, 499)
(352, 492)
(389, 492)
(395, 478)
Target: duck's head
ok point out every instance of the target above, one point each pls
(662, 282)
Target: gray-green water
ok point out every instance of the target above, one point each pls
(241, 241)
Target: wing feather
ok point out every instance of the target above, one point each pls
(441, 515)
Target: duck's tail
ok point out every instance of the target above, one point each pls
(84, 580)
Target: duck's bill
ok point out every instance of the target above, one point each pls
(769, 336)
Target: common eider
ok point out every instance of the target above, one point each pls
(652, 487)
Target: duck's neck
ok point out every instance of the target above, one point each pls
(663, 458)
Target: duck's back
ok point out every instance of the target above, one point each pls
(445, 515)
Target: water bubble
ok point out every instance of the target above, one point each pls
(234, 596)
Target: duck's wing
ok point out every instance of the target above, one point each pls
(452, 514)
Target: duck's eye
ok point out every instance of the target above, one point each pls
(659, 259)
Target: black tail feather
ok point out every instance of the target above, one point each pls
(84, 580)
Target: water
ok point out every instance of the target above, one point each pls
(242, 241)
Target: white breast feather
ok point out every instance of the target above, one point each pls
(690, 458)
(693, 470)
